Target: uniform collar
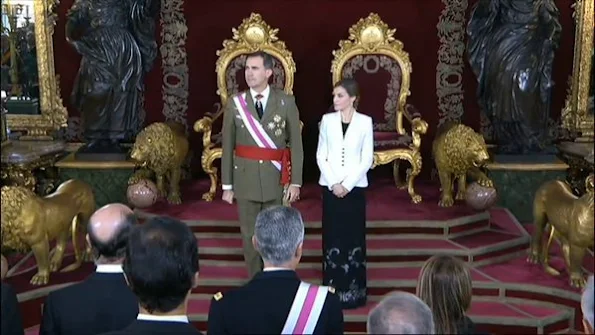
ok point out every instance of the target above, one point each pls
(162, 318)
(109, 268)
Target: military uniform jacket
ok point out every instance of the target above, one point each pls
(259, 180)
(262, 307)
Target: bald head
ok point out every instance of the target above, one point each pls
(108, 229)
(107, 220)
(401, 313)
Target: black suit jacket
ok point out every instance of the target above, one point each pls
(262, 307)
(143, 327)
(101, 303)
(11, 322)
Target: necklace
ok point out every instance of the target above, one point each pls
(347, 117)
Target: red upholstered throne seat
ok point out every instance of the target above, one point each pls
(252, 35)
(382, 69)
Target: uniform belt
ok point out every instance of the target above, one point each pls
(257, 153)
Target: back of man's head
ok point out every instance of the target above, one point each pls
(401, 313)
(587, 306)
(161, 263)
(108, 230)
(278, 234)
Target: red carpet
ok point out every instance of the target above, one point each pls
(510, 295)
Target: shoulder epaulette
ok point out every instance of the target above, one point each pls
(218, 296)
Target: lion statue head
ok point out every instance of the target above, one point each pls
(13, 206)
(154, 147)
(465, 148)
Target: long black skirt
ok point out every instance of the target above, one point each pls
(344, 245)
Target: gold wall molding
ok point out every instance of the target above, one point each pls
(575, 115)
(53, 114)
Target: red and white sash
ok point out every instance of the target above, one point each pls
(306, 309)
(254, 127)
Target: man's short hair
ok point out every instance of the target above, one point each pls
(278, 231)
(267, 60)
(161, 262)
(115, 247)
(587, 302)
(401, 313)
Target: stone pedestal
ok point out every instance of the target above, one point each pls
(517, 178)
(109, 179)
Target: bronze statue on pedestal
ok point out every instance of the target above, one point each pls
(116, 39)
(511, 50)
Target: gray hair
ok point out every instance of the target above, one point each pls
(278, 232)
(587, 302)
(401, 313)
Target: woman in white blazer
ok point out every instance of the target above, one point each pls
(345, 154)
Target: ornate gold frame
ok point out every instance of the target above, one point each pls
(254, 34)
(575, 115)
(53, 114)
(372, 36)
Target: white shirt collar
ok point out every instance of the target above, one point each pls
(109, 268)
(276, 269)
(265, 96)
(167, 318)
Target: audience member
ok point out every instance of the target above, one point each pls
(102, 302)
(587, 307)
(401, 313)
(161, 268)
(445, 285)
(11, 321)
(273, 301)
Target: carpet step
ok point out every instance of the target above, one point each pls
(384, 203)
(481, 248)
(447, 228)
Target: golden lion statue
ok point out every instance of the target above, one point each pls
(30, 222)
(570, 219)
(459, 151)
(161, 149)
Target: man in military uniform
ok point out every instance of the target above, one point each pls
(259, 127)
(275, 301)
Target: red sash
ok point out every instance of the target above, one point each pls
(257, 153)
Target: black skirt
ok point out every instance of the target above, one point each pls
(344, 245)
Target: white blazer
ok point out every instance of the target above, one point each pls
(345, 160)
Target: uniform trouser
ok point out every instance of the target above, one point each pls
(248, 210)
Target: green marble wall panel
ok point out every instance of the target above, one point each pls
(516, 189)
(110, 185)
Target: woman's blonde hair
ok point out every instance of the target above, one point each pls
(445, 285)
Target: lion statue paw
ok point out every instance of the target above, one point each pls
(446, 202)
(40, 278)
(486, 182)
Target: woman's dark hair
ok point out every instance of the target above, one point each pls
(350, 85)
(445, 285)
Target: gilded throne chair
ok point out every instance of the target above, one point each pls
(374, 58)
(253, 35)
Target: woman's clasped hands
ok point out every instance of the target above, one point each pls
(339, 190)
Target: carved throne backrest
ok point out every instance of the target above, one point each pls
(374, 58)
(253, 35)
